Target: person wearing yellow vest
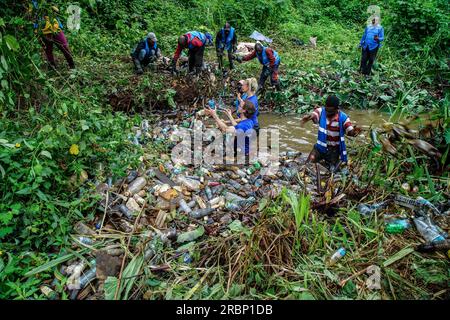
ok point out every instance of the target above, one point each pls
(52, 34)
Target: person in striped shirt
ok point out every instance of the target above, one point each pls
(333, 125)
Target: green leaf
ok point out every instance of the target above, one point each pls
(236, 226)
(11, 43)
(385, 98)
(4, 63)
(2, 171)
(399, 255)
(47, 154)
(447, 136)
(47, 128)
(110, 287)
(53, 263)
(26, 190)
(5, 231)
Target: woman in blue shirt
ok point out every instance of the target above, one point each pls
(247, 89)
(370, 42)
(245, 124)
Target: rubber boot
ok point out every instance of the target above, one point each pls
(138, 66)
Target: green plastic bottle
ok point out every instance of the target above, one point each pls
(397, 226)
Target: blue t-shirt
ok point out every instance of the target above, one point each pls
(368, 41)
(253, 99)
(245, 125)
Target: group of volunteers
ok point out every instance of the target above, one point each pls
(333, 123)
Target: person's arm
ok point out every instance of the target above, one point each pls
(230, 116)
(234, 42)
(363, 38)
(177, 54)
(313, 116)
(138, 49)
(271, 57)
(250, 56)
(351, 130)
(221, 124)
(158, 52)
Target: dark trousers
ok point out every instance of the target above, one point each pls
(60, 41)
(268, 72)
(196, 59)
(220, 52)
(367, 59)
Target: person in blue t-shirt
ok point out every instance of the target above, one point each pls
(245, 124)
(370, 43)
(247, 89)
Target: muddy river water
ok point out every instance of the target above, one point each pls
(294, 137)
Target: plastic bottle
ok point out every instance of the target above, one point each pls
(241, 173)
(137, 185)
(428, 230)
(212, 104)
(178, 170)
(234, 184)
(131, 176)
(208, 193)
(337, 255)
(293, 154)
(187, 257)
(397, 226)
(200, 213)
(145, 126)
(184, 206)
(81, 228)
(125, 211)
(191, 184)
(369, 209)
(256, 166)
(191, 235)
(431, 247)
(49, 293)
(85, 240)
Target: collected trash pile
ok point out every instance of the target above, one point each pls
(422, 215)
(173, 206)
(169, 205)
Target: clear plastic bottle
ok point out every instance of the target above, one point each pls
(184, 206)
(137, 185)
(337, 255)
(428, 230)
(200, 213)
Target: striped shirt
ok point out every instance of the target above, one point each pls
(332, 127)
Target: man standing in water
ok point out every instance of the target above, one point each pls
(370, 43)
(333, 125)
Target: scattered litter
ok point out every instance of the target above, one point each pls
(260, 37)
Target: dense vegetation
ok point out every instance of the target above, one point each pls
(58, 126)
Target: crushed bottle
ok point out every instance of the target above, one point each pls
(428, 230)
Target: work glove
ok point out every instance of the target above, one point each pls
(234, 49)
